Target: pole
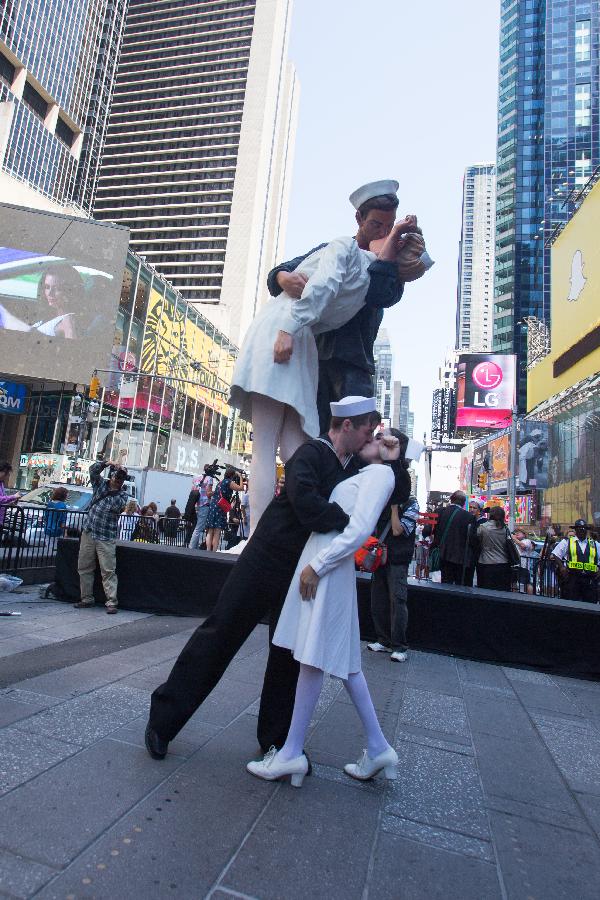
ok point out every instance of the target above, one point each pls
(513, 469)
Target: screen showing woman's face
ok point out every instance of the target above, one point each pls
(54, 292)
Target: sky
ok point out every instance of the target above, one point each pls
(404, 90)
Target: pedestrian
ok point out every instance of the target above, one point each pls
(454, 536)
(219, 507)
(128, 520)
(145, 530)
(171, 522)
(99, 534)
(245, 510)
(477, 508)
(422, 548)
(576, 560)
(319, 619)
(6, 499)
(274, 384)
(389, 585)
(494, 566)
(205, 492)
(260, 580)
(54, 522)
(189, 514)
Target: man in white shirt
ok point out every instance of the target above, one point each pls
(576, 559)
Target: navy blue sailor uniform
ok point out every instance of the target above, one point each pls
(346, 363)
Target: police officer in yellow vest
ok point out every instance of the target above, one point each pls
(577, 560)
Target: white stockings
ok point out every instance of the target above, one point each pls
(310, 682)
(274, 425)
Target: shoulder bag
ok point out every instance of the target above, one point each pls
(514, 557)
(223, 504)
(373, 553)
(435, 559)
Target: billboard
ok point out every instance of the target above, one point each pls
(533, 457)
(60, 282)
(499, 462)
(485, 390)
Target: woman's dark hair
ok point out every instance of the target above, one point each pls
(5, 466)
(144, 511)
(427, 531)
(71, 283)
(60, 493)
(229, 472)
(497, 515)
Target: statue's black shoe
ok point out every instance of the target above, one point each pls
(155, 745)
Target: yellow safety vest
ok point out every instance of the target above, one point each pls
(574, 561)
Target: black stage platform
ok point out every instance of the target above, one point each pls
(510, 629)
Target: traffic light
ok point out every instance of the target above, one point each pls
(94, 387)
(482, 480)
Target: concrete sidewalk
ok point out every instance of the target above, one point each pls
(498, 792)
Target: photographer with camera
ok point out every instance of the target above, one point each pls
(100, 532)
(220, 506)
(205, 490)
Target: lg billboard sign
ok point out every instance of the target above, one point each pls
(485, 390)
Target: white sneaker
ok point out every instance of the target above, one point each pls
(399, 656)
(367, 768)
(376, 647)
(271, 768)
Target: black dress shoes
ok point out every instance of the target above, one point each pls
(155, 745)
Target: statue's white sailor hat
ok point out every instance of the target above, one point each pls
(352, 406)
(373, 189)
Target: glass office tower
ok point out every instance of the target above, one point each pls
(519, 262)
(57, 62)
(572, 135)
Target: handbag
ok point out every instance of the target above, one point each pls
(514, 557)
(373, 553)
(435, 557)
(223, 504)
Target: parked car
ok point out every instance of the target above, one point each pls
(34, 504)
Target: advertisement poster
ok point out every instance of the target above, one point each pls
(533, 456)
(485, 385)
(466, 469)
(499, 450)
(60, 282)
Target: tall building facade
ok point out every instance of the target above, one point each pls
(548, 148)
(57, 67)
(519, 254)
(200, 145)
(475, 301)
(382, 354)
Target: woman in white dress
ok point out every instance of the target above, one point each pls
(277, 390)
(319, 619)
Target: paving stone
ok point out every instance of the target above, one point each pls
(429, 738)
(340, 731)
(385, 694)
(438, 712)
(574, 820)
(433, 672)
(337, 775)
(483, 675)
(77, 801)
(22, 877)
(438, 837)
(229, 699)
(520, 770)
(542, 860)
(435, 787)
(591, 808)
(300, 846)
(576, 751)
(24, 755)
(178, 840)
(250, 668)
(527, 676)
(21, 642)
(500, 716)
(545, 697)
(35, 701)
(13, 710)
(86, 719)
(410, 870)
(587, 700)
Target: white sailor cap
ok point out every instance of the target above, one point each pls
(352, 406)
(373, 189)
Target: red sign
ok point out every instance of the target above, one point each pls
(485, 387)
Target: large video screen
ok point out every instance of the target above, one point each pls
(60, 282)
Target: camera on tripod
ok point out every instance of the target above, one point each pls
(212, 468)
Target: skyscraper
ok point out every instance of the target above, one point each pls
(382, 354)
(57, 63)
(548, 147)
(474, 312)
(200, 144)
(519, 262)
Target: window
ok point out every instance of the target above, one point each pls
(583, 166)
(7, 70)
(66, 134)
(35, 101)
(583, 103)
(582, 41)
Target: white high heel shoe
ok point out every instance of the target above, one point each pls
(367, 768)
(270, 768)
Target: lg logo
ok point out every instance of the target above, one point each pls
(487, 375)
